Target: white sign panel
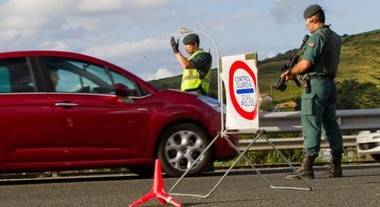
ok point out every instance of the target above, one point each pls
(242, 92)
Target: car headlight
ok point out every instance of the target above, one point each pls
(215, 104)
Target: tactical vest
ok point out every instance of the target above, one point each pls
(328, 61)
(191, 79)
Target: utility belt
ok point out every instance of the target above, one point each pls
(322, 76)
(307, 78)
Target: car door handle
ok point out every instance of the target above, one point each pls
(142, 109)
(65, 104)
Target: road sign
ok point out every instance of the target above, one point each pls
(242, 94)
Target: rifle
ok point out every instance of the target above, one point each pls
(293, 59)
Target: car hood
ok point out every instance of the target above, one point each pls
(177, 95)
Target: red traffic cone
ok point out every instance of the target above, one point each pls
(157, 190)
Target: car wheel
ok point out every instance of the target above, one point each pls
(180, 146)
(376, 157)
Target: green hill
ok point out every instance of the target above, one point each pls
(360, 59)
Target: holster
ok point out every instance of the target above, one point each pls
(307, 84)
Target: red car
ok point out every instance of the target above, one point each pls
(63, 110)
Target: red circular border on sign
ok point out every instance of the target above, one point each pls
(234, 67)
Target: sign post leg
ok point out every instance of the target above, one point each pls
(259, 134)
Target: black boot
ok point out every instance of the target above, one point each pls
(306, 169)
(335, 167)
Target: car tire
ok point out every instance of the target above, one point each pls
(376, 157)
(180, 145)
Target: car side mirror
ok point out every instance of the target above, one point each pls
(123, 90)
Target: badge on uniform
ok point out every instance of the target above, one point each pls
(311, 44)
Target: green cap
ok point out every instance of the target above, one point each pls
(191, 39)
(311, 10)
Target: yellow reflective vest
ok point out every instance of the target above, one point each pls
(191, 79)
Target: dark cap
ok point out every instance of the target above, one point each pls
(311, 10)
(191, 39)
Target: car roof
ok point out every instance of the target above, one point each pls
(67, 54)
(31, 53)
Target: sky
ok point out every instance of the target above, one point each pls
(135, 34)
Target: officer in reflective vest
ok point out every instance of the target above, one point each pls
(196, 68)
(318, 65)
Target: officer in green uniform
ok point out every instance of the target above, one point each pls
(196, 68)
(318, 66)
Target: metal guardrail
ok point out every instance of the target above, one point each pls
(291, 143)
(357, 119)
(348, 120)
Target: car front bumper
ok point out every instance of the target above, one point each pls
(369, 143)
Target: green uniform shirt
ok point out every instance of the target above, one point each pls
(322, 49)
(313, 48)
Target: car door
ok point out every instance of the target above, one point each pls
(99, 125)
(29, 134)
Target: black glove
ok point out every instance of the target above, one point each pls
(174, 45)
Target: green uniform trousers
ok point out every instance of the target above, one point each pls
(318, 110)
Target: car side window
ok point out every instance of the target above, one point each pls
(15, 76)
(117, 78)
(72, 76)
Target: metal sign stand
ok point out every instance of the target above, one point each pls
(259, 134)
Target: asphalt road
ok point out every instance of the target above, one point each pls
(358, 187)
